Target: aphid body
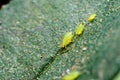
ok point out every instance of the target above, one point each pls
(92, 17)
(67, 39)
(79, 29)
(117, 77)
(71, 76)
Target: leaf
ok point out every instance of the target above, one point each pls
(32, 30)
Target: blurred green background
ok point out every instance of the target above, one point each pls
(31, 32)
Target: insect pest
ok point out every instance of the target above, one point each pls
(79, 29)
(117, 77)
(92, 17)
(67, 39)
(71, 76)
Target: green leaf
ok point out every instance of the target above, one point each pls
(31, 32)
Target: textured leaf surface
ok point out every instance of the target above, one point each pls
(32, 30)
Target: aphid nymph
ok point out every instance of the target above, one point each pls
(67, 39)
(71, 76)
(79, 29)
(92, 17)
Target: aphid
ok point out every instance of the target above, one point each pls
(71, 76)
(91, 17)
(117, 77)
(67, 39)
(79, 29)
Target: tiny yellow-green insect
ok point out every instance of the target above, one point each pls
(117, 77)
(92, 17)
(71, 76)
(67, 39)
(79, 29)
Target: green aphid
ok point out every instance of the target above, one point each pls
(117, 77)
(79, 29)
(72, 75)
(67, 39)
(92, 17)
